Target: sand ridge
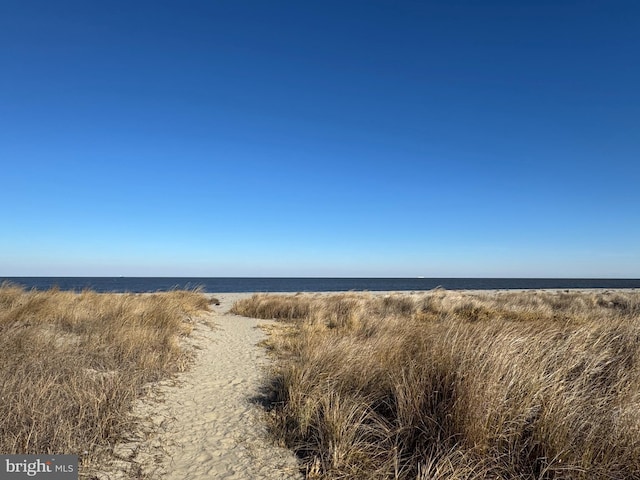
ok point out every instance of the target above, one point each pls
(207, 424)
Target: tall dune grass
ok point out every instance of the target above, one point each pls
(451, 385)
(71, 364)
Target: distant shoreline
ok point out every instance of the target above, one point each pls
(313, 284)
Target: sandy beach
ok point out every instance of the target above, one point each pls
(206, 423)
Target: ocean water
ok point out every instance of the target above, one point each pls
(237, 284)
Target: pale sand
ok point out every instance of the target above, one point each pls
(208, 425)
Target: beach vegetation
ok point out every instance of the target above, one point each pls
(456, 385)
(73, 363)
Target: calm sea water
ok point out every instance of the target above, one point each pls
(235, 284)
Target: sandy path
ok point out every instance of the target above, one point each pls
(208, 426)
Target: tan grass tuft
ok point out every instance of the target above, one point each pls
(527, 385)
(71, 364)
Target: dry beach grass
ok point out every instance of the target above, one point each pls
(433, 385)
(71, 364)
(456, 385)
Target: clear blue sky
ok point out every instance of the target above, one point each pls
(329, 138)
